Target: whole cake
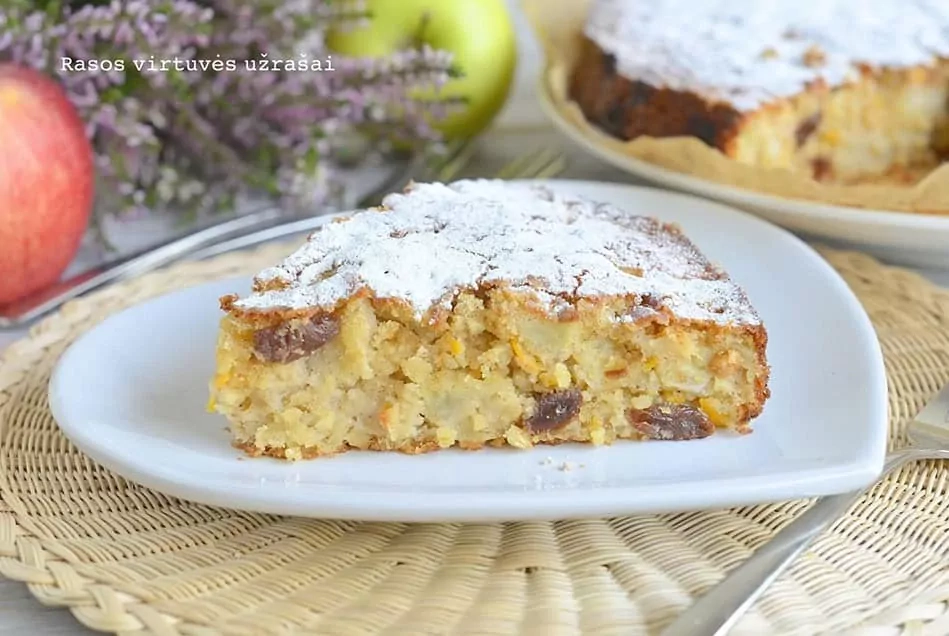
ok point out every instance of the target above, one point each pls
(842, 91)
(484, 312)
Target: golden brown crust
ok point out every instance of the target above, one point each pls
(627, 109)
(400, 310)
(411, 448)
(262, 318)
(762, 388)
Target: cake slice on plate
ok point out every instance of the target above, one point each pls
(487, 313)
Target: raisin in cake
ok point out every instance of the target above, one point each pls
(839, 90)
(484, 312)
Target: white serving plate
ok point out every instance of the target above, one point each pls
(131, 393)
(918, 240)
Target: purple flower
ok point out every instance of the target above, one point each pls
(185, 114)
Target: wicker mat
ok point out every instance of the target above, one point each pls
(129, 560)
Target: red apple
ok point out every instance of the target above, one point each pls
(46, 181)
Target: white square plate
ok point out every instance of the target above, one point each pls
(131, 393)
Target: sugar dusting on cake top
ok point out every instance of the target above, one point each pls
(434, 240)
(751, 52)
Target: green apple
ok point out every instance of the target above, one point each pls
(479, 33)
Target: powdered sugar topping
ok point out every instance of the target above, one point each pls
(437, 239)
(751, 52)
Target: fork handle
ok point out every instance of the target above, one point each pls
(25, 310)
(715, 613)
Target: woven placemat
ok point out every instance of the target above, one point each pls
(126, 559)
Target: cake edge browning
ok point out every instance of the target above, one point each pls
(626, 108)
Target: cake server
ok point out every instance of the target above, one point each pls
(720, 609)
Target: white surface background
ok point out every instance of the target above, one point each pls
(520, 126)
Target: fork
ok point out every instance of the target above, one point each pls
(715, 613)
(263, 224)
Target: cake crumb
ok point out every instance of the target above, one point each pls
(547, 461)
(568, 466)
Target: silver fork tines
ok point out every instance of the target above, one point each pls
(719, 609)
(932, 423)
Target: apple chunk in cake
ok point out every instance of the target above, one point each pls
(484, 312)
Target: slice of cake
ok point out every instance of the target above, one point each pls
(839, 90)
(484, 312)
